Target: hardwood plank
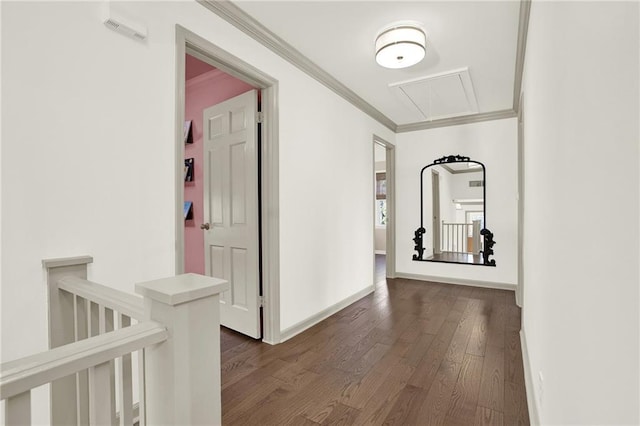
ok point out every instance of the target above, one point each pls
(296, 377)
(428, 366)
(516, 410)
(341, 415)
(492, 381)
(301, 421)
(418, 349)
(433, 409)
(458, 345)
(385, 396)
(513, 364)
(236, 393)
(405, 409)
(283, 406)
(234, 410)
(318, 402)
(497, 325)
(363, 364)
(362, 391)
(488, 417)
(464, 398)
(478, 340)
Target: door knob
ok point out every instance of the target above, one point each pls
(205, 226)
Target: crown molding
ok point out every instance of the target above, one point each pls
(523, 29)
(250, 26)
(456, 121)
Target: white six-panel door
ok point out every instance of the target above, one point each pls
(231, 208)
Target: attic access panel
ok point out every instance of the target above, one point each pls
(438, 96)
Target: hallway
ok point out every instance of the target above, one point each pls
(412, 353)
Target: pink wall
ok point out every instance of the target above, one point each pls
(203, 91)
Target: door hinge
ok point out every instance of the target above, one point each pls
(259, 117)
(261, 301)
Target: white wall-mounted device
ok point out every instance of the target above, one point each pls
(115, 21)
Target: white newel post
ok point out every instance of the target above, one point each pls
(64, 403)
(182, 374)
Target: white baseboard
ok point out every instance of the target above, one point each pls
(381, 252)
(458, 281)
(298, 328)
(518, 300)
(534, 418)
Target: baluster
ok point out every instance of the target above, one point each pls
(125, 379)
(101, 377)
(142, 413)
(17, 409)
(82, 377)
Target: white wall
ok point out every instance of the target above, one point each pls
(581, 278)
(88, 160)
(461, 188)
(493, 143)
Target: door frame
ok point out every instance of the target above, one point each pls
(521, 212)
(390, 160)
(204, 50)
(435, 211)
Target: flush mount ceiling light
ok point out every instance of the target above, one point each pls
(400, 46)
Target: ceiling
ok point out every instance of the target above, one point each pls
(339, 36)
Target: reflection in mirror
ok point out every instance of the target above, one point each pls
(452, 213)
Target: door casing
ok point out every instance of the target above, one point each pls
(391, 204)
(194, 45)
(435, 210)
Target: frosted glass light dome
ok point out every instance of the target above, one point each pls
(400, 46)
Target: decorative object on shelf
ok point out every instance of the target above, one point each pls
(187, 132)
(400, 45)
(469, 242)
(188, 169)
(188, 210)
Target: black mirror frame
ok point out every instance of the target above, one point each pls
(486, 234)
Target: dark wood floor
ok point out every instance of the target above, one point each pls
(451, 257)
(412, 353)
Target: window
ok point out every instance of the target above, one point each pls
(381, 199)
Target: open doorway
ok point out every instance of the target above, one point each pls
(221, 189)
(205, 86)
(384, 209)
(264, 175)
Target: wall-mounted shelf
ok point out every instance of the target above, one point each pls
(188, 169)
(188, 132)
(188, 210)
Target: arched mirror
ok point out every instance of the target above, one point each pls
(453, 220)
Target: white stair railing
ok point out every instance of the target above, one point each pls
(455, 237)
(91, 336)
